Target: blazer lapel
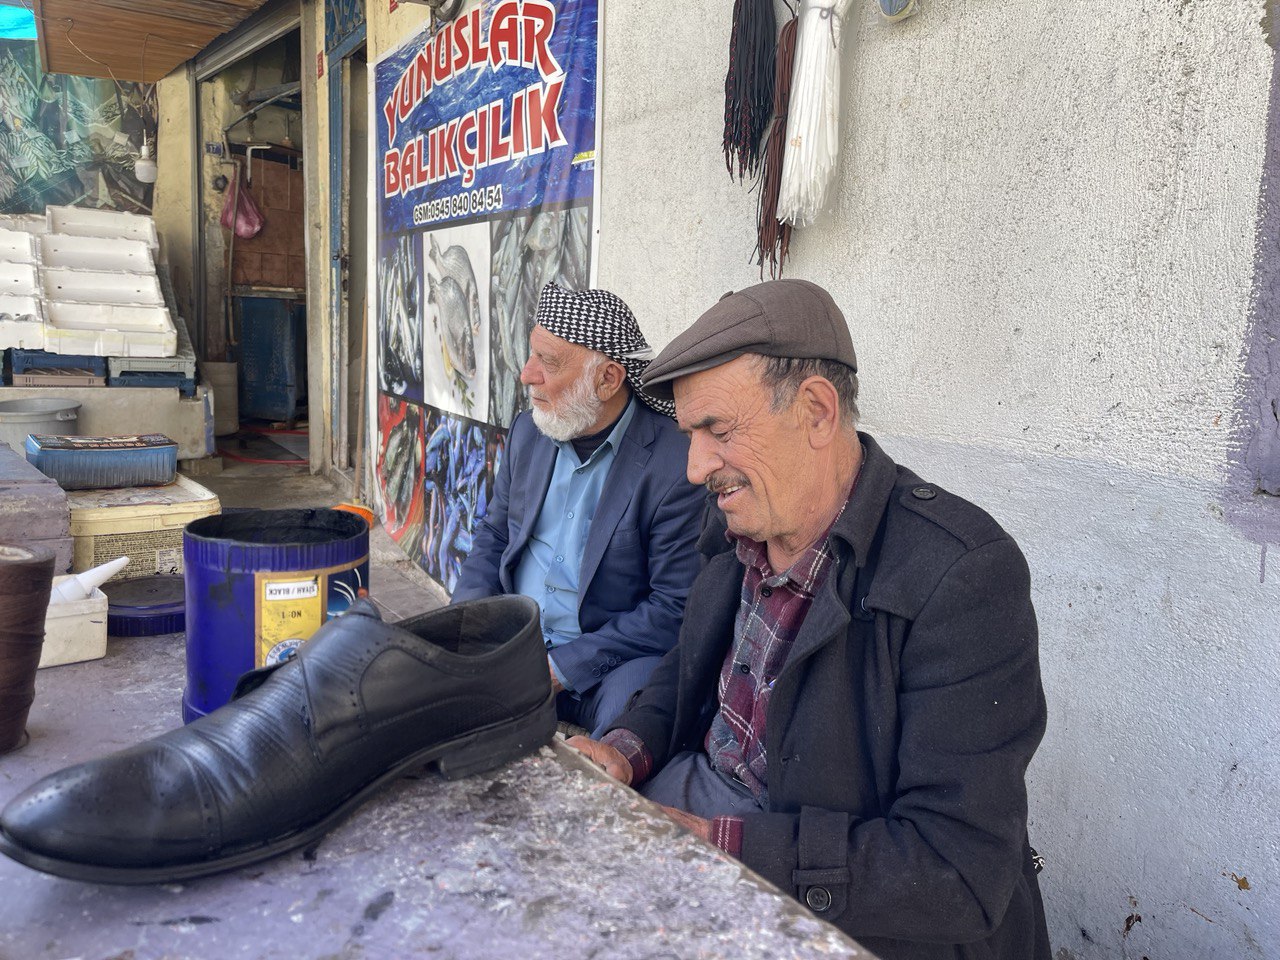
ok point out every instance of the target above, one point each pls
(620, 485)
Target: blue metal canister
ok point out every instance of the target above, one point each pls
(258, 584)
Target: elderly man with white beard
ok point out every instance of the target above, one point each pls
(592, 514)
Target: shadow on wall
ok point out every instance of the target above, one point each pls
(1253, 493)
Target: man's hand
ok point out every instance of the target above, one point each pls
(614, 763)
(556, 685)
(696, 825)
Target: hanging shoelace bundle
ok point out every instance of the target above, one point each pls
(813, 126)
(748, 85)
(774, 238)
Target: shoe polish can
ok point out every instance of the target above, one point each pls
(259, 583)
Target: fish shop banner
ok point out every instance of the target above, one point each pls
(485, 189)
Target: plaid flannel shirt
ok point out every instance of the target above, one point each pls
(770, 614)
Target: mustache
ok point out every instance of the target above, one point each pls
(723, 481)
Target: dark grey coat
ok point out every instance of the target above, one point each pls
(899, 731)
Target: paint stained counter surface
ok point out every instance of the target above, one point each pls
(545, 857)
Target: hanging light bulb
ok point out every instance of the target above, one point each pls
(144, 168)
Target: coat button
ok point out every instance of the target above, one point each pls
(818, 899)
(924, 493)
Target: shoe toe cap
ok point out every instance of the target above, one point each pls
(123, 810)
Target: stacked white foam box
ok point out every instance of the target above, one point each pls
(21, 312)
(99, 286)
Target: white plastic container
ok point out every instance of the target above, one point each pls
(109, 330)
(18, 280)
(87, 222)
(94, 253)
(100, 286)
(75, 630)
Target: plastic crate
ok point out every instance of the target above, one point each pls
(25, 361)
(142, 523)
(66, 377)
(154, 378)
(94, 463)
(181, 364)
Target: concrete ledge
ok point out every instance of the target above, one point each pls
(105, 411)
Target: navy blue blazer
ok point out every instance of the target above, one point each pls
(641, 553)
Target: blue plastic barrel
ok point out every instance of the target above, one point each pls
(258, 584)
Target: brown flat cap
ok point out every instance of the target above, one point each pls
(777, 318)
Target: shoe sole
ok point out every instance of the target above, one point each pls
(473, 753)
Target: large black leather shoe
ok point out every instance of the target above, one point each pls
(363, 702)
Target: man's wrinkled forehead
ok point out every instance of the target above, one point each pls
(719, 395)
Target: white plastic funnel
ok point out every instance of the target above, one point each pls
(80, 586)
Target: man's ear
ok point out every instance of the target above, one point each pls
(818, 404)
(610, 379)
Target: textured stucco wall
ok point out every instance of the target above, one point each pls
(1044, 239)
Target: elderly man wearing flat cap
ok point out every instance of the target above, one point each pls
(591, 516)
(856, 693)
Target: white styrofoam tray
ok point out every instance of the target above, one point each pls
(87, 222)
(21, 323)
(34, 223)
(100, 286)
(95, 253)
(18, 279)
(17, 246)
(109, 330)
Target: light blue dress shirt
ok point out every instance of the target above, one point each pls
(548, 571)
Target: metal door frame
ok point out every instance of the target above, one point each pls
(339, 69)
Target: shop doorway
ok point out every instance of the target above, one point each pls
(253, 211)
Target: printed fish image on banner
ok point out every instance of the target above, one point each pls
(456, 366)
(462, 459)
(400, 319)
(399, 468)
(529, 251)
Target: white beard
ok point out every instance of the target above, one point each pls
(575, 415)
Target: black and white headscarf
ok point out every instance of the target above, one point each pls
(599, 320)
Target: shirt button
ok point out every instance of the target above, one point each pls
(766, 591)
(744, 667)
(551, 589)
(559, 559)
(570, 514)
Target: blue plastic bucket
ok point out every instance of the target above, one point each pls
(258, 584)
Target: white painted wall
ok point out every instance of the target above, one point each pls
(1044, 242)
